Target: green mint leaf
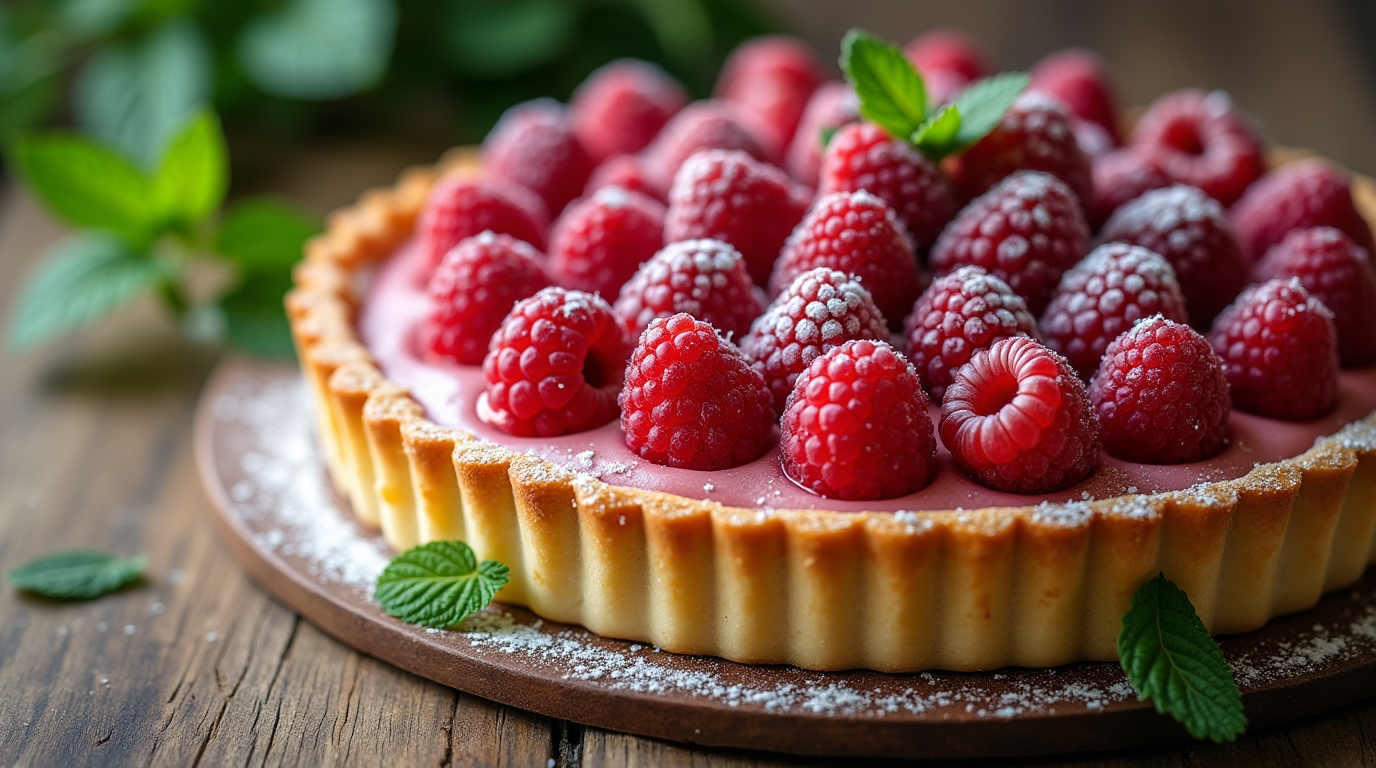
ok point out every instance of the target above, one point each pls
(254, 320)
(1172, 661)
(319, 49)
(828, 133)
(262, 234)
(937, 137)
(891, 92)
(77, 574)
(194, 171)
(76, 283)
(984, 104)
(87, 184)
(438, 584)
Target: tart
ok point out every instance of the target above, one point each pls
(742, 562)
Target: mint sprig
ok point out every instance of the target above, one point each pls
(77, 574)
(438, 584)
(1172, 661)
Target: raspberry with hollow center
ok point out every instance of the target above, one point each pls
(1280, 351)
(600, 241)
(856, 426)
(1016, 418)
(622, 105)
(1203, 141)
(832, 105)
(555, 366)
(1340, 274)
(959, 315)
(460, 207)
(1310, 193)
(1161, 395)
(472, 291)
(1103, 296)
(692, 401)
(533, 145)
(703, 278)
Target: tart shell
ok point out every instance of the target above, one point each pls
(1034, 586)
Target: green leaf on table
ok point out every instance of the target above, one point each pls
(891, 92)
(937, 136)
(319, 49)
(76, 283)
(438, 584)
(254, 320)
(262, 234)
(78, 574)
(496, 40)
(1172, 661)
(87, 184)
(194, 171)
(984, 104)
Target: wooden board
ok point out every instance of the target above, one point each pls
(280, 517)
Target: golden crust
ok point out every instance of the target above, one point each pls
(964, 590)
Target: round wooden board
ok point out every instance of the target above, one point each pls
(273, 502)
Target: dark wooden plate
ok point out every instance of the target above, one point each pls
(278, 514)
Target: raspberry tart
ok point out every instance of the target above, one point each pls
(748, 424)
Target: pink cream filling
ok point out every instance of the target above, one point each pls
(397, 304)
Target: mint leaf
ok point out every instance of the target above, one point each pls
(87, 184)
(984, 104)
(77, 574)
(319, 49)
(937, 137)
(1172, 661)
(828, 133)
(194, 171)
(254, 320)
(891, 92)
(79, 281)
(262, 234)
(438, 584)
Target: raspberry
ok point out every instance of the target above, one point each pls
(959, 315)
(1161, 395)
(832, 105)
(463, 206)
(600, 240)
(1202, 141)
(856, 426)
(473, 289)
(1103, 296)
(627, 172)
(772, 78)
(1027, 231)
(864, 156)
(1280, 351)
(856, 233)
(622, 105)
(701, 125)
(1301, 195)
(555, 365)
(1036, 135)
(1076, 78)
(1016, 418)
(692, 401)
(1123, 175)
(950, 51)
(728, 195)
(1094, 139)
(1340, 274)
(820, 310)
(533, 145)
(703, 278)
(1192, 231)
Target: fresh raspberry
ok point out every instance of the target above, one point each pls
(473, 290)
(600, 241)
(820, 310)
(864, 156)
(856, 426)
(772, 78)
(555, 366)
(1280, 351)
(622, 105)
(701, 125)
(1161, 395)
(627, 172)
(959, 315)
(1035, 135)
(1027, 231)
(460, 207)
(703, 278)
(533, 145)
(832, 105)
(1337, 272)
(692, 401)
(729, 195)
(1016, 418)
(1310, 193)
(947, 50)
(1192, 231)
(1203, 141)
(1106, 294)
(1122, 175)
(1076, 78)
(856, 233)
